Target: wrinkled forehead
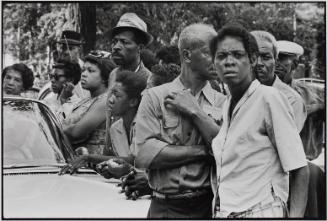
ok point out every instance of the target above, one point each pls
(230, 43)
(265, 45)
(124, 34)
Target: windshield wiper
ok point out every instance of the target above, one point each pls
(17, 166)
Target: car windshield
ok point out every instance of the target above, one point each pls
(27, 135)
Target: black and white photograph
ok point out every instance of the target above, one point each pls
(163, 110)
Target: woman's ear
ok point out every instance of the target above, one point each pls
(133, 102)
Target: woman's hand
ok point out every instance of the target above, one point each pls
(73, 167)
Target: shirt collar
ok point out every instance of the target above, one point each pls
(207, 90)
(276, 81)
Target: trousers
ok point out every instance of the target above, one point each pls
(195, 207)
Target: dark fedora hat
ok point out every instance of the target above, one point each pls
(71, 38)
(132, 21)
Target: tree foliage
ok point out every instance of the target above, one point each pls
(29, 27)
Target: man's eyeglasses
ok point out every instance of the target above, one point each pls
(56, 76)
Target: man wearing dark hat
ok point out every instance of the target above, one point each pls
(128, 38)
(70, 49)
(70, 46)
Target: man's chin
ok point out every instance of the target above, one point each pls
(118, 61)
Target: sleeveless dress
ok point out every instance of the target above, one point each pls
(95, 142)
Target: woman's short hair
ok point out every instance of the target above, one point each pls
(133, 83)
(26, 73)
(106, 65)
(236, 30)
(71, 69)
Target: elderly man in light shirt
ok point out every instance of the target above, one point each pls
(258, 146)
(265, 73)
(175, 124)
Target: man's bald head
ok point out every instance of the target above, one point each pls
(195, 36)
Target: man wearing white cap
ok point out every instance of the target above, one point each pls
(312, 132)
(289, 53)
(265, 73)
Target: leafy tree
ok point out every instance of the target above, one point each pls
(29, 29)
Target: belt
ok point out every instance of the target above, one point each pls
(185, 195)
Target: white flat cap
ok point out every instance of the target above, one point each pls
(289, 47)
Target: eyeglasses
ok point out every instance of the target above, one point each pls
(56, 76)
(100, 54)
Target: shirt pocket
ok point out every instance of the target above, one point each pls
(170, 119)
(170, 127)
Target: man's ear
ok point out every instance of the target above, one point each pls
(186, 56)
(295, 63)
(253, 60)
(141, 47)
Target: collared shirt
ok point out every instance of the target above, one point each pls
(157, 127)
(122, 143)
(255, 149)
(295, 100)
(141, 70)
(61, 110)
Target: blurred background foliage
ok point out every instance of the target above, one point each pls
(29, 29)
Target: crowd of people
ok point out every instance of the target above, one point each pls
(215, 127)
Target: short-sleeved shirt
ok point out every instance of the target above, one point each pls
(295, 100)
(61, 110)
(141, 70)
(157, 127)
(122, 143)
(255, 149)
(95, 141)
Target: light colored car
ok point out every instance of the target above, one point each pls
(34, 150)
(313, 82)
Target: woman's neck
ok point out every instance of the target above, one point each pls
(98, 91)
(128, 118)
(238, 91)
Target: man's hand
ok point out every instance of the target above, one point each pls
(280, 71)
(66, 92)
(115, 167)
(182, 101)
(79, 162)
(135, 184)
